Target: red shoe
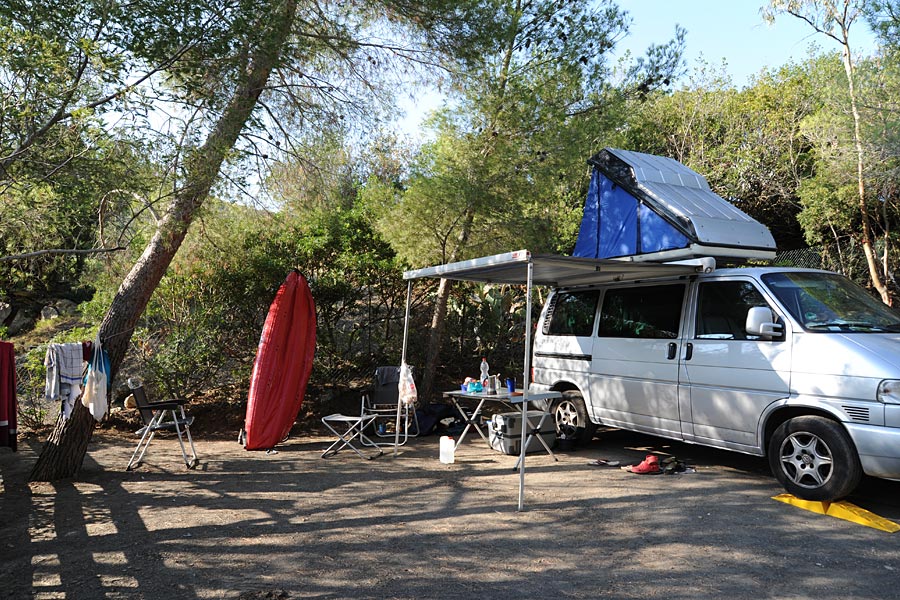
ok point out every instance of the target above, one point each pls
(649, 465)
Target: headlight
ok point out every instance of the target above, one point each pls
(889, 391)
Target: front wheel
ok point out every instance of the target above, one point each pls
(571, 418)
(814, 459)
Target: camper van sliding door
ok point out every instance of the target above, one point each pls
(634, 371)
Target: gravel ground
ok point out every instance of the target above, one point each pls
(293, 525)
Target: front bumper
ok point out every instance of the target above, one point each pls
(878, 448)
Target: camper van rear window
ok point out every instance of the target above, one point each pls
(572, 313)
(652, 311)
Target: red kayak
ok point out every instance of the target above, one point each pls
(282, 366)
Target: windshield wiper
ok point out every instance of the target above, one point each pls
(847, 325)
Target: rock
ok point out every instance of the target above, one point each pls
(22, 321)
(59, 308)
(66, 307)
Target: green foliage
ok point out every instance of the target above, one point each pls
(31, 376)
(204, 320)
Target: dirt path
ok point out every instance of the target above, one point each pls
(293, 525)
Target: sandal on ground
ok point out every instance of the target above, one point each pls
(649, 466)
(602, 462)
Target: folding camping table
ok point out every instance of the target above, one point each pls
(505, 398)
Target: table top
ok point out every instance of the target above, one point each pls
(516, 397)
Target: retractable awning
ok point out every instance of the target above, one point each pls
(523, 268)
(556, 271)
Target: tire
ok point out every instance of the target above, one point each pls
(814, 459)
(570, 416)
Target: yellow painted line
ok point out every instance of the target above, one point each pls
(841, 510)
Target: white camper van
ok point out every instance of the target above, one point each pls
(801, 366)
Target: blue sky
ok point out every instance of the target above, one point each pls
(717, 30)
(732, 30)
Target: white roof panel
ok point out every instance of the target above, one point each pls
(685, 196)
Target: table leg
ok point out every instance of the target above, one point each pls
(536, 431)
(470, 421)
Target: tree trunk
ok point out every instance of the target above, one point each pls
(871, 260)
(64, 452)
(436, 332)
(435, 337)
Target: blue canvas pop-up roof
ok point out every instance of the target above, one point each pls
(643, 207)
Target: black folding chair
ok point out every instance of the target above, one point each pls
(381, 401)
(161, 416)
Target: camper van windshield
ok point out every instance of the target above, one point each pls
(827, 302)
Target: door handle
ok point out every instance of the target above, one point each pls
(688, 351)
(673, 350)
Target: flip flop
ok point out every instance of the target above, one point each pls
(602, 462)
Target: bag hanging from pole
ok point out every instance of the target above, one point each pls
(407, 385)
(96, 383)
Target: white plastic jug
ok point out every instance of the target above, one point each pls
(448, 446)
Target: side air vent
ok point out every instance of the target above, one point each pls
(859, 414)
(545, 326)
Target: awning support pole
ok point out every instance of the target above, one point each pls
(402, 362)
(526, 383)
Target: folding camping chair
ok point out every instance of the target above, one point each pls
(161, 416)
(347, 429)
(381, 402)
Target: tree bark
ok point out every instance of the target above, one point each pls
(868, 250)
(66, 447)
(435, 333)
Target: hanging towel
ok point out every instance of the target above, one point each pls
(8, 403)
(65, 368)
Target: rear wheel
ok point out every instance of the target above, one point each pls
(814, 458)
(571, 418)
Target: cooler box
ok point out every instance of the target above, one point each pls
(505, 432)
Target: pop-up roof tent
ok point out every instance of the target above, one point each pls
(642, 207)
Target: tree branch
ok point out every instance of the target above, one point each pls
(26, 255)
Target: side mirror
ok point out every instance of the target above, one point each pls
(761, 322)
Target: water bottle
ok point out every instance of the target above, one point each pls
(484, 371)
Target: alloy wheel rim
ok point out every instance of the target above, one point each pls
(806, 460)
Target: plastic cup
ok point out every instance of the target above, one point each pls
(511, 384)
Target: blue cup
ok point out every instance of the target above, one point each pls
(464, 387)
(510, 384)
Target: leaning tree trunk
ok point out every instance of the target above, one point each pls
(66, 447)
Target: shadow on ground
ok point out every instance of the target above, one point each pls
(294, 525)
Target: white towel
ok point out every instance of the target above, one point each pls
(65, 368)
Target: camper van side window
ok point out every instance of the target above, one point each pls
(573, 313)
(722, 309)
(642, 312)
